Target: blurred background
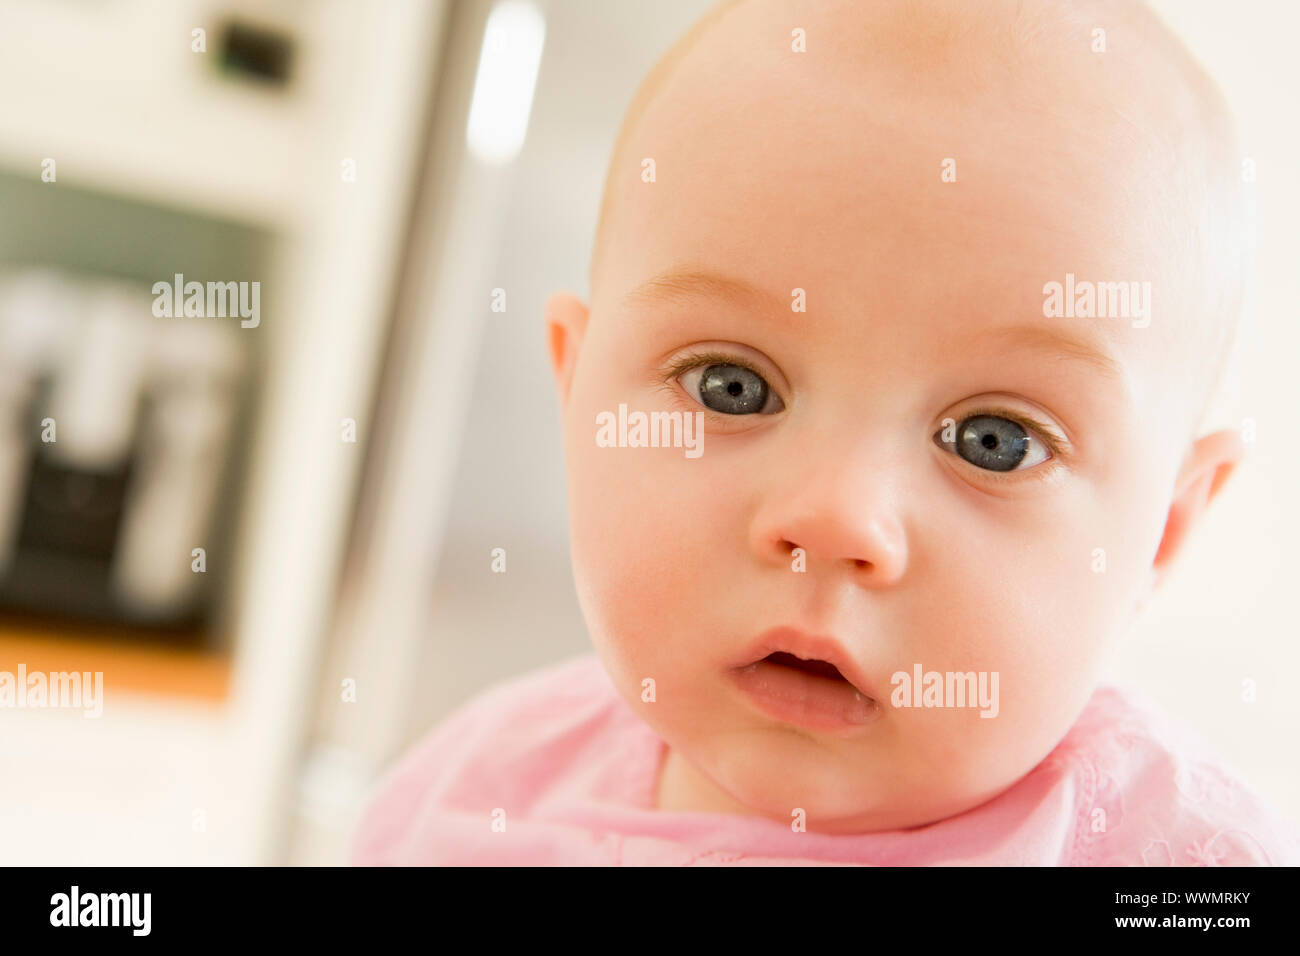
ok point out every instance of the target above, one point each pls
(269, 521)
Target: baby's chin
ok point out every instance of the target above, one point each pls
(783, 775)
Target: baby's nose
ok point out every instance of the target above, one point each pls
(838, 519)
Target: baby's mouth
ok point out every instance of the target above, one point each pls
(819, 667)
(809, 692)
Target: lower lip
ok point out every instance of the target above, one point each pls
(823, 704)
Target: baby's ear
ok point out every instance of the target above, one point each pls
(1211, 460)
(566, 323)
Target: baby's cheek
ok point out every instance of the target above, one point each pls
(636, 539)
(1038, 612)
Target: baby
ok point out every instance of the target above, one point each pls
(942, 291)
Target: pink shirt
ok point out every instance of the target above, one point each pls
(574, 770)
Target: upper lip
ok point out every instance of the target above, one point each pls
(809, 647)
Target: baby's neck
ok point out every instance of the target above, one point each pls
(683, 789)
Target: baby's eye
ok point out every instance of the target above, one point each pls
(730, 389)
(995, 443)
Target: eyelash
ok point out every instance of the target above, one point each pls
(668, 374)
(696, 359)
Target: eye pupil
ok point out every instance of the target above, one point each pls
(992, 442)
(733, 390)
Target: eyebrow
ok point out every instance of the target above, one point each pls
(685, 285)
(1065, 343)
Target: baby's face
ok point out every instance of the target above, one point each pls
(829, 496)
